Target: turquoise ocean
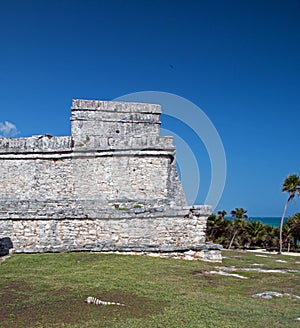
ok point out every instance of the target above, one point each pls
(272, 221)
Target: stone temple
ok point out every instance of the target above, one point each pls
(110, 186)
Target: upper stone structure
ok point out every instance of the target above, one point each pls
(108, 124)
(115, 155)
(112, 185)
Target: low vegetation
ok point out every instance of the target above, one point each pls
(49, 290)
(245, 233)
(242, 232)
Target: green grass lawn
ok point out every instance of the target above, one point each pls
(49, 290)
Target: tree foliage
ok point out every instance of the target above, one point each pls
(242, 232)
(291, 185)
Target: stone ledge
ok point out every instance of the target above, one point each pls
(111, 247)
(35, 144)
(206, 252)
(91, 153)
(81, 104)
(37, 211)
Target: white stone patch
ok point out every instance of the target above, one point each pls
(257, 264)
(223, 273)
(231, 269)
(3, 258)
(281, 261)
(270, 294)
(259, 255)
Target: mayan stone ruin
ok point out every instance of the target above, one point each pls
(110, 186)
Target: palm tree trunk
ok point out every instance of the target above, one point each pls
(232, 239)
(281, 225)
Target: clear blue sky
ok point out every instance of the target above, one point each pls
(238, 60)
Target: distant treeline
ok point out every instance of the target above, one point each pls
(239, 231)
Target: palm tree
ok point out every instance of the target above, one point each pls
(222, 214)
(294, 223)
(291, 185)
(272, 237)
(211, 226)
(216, 226)
(287, 235)
(239, 213)
(256, 232)
(239, 222)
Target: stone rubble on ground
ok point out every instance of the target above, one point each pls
(4, 258)
(259, 255)
(270, 294)
(231, 269)
(223, 273)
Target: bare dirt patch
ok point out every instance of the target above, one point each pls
(19, 311)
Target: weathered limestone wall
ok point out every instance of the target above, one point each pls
(111, 186)
(113, 121)
(168, 231)
(35, 178)
(109, 179)
(127, 230)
